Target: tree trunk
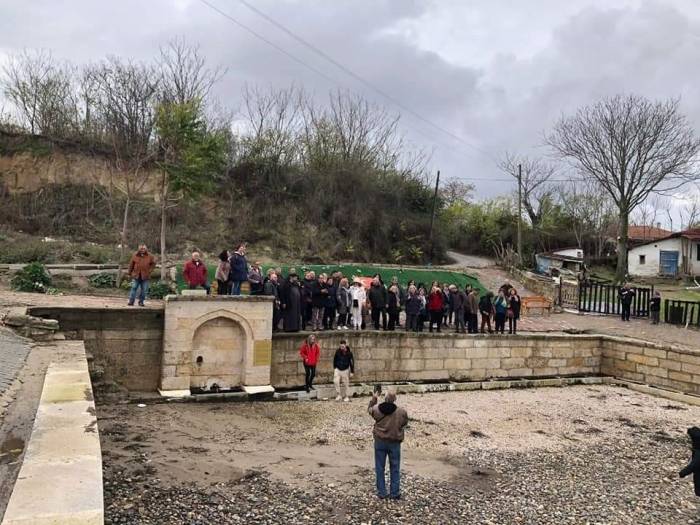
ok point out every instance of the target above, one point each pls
(123, 239)
(163, 215)
(621, 272)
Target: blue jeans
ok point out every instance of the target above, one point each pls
(393, 450)
(236, 287)
(135, 285)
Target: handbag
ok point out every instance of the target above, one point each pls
(355, 303)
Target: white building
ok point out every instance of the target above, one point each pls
(675, 255)
(558, 261)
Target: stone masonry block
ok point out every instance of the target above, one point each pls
(513, 362)
(693, 369)
(643, 359)
(498, 352)
(653, 352)
(486, 363)
(461, 364)
(670, 364)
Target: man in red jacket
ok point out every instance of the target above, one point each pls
(195, 273)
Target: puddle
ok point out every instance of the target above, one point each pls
(11, 449)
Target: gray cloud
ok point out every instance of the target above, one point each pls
(493, 73)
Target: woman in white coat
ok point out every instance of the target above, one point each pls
(359, 296)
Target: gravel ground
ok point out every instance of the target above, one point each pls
(557, 455)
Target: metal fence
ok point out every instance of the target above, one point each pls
(601, 298)
(682, 312)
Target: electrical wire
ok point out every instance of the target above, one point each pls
(359, 78)
(340, 66)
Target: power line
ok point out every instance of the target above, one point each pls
(339, 65)
(269, 42)
(359, 78)
(513, 179)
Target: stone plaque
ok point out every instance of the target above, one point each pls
(262, 352)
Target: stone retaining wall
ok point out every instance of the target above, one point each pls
(404, 356)
(651, 363)
(125, 344)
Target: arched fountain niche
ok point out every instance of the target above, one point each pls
(218, 355)
(213, 344)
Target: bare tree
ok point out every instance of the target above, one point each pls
(537, 192)
(185, 74)
(630, 146)
(591, 211)
(43, 92)
(455, 191)
(123, 96)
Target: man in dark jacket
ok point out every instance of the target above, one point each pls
(413, 306)
(389, 424)
(626, 297)
(290, 297)
(473, 319)
(458, 300)
(239, 269)
(330, 303)
(487, 311)
(694, 466)
(140, 267)
(307, 291)
(343, 368)
(271, 288)
(379, 302)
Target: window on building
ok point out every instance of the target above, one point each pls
(697, 252)
(642, 259)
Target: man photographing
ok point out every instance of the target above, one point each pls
(389, 422)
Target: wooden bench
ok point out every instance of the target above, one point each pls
(536, 303)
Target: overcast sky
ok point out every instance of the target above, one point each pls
(496, 73)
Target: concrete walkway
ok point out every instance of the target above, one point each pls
(462, 261)
(60, 480)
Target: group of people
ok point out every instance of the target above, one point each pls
(328, 302)
(333, 301)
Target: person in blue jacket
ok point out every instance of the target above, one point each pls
(239, 269)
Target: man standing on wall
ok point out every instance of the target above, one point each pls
(389, 423)
(140, 268)
(195, 273)
(239, 269)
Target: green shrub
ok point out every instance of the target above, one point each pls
(25, 251)
(159, 289)
(96, 254)
(32, 278)
(103, 280)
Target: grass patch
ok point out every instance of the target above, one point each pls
(425, 276)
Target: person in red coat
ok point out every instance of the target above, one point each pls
(310, 353)
(436, 300)
(195, 273)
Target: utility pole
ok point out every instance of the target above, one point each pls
(520, 212)
(432, 217)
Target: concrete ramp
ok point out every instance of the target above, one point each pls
(60, 481)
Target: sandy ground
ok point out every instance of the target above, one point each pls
(585, 454)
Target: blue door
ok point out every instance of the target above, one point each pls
(668, 262)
